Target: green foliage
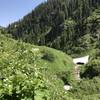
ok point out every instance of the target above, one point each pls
(92, 69)
(20, 77)
(86, 88)
(66, 77)
(61, 24)
(24, 75)
(48, 56)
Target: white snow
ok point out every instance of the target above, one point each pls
(83, 60)
(67, 87)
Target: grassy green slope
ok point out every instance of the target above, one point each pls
(39, 67)
(55, 61)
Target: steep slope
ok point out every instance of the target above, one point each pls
(61, 24)
(37, 72)
(56, 60)
(29, 71)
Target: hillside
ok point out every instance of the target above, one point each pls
(72, 26)
(48, 56)
(40, 73)
(24, 67)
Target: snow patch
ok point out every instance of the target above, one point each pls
(67, 87)
(82, 60)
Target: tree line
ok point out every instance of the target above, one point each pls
(61, 24)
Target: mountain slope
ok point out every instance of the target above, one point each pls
(37, 72)
(29, 71)
(61, 24)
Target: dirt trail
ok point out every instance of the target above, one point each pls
(76, 72)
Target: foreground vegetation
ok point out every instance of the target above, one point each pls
(31, 72)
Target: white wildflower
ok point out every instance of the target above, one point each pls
(35, 49)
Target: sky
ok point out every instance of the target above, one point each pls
(13, 10)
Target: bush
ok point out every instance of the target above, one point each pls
(20, 78)
(48, 56)
(85, 88)
(92, 69)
